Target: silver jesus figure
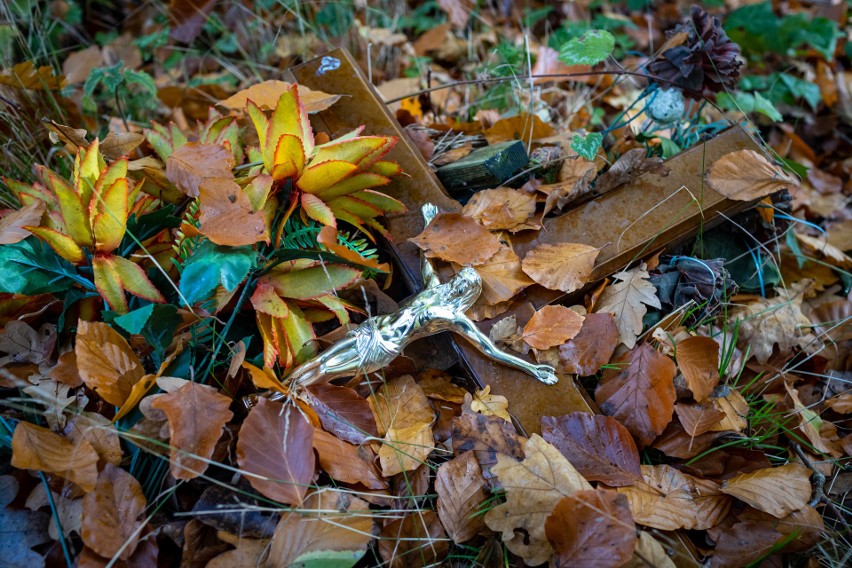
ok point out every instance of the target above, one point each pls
(379, 340)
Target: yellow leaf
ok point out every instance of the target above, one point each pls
(290, 117)
(110, 211)
(489, 404)
(319, 177)
(287, 158)
(108, 282)
(316, 209)
(62, 244)
(135, 281)
(746, 175)
(137, 393)
(404, 419)
(264, 378)
(627, 300)
(563, 266)
(267, 93)
(775, 490)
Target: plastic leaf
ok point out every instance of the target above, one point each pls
(62, 244)
(319, 177)
(110, 211)
(316, 209)
(288, 159)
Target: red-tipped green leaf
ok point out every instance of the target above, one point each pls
(384, 202)
(74, 215)
(316, 209)
(312, 282)
(319, 177)
(288, 159)
(290, 117)
(261, 123)
(62, 244)
(266, 301)
(386, 168)
(108, 283)
(135, 281)
(354, 184)
(360, 151)
(110, 224)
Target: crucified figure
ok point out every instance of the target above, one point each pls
(379, 340)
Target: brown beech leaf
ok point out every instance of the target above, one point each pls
(457, 238)
(438, 385)
(500, 209)
(649, 553)
(592, 347)
(698, 360)
(502, 277)
(404, 418)
(591, 528)
(331, 521)
(698, 418)
(743, 544)
(626, 300)
(775, 490)
(640, 394)
(111, 524)
(821, 246)
(551, 326)
(523, 126)
(247, 553)
(267, 93)
(347, 462)
(533, 488)
(118, 145)
(806, 526)
(226, 214)
(275, 449)
(746, 175)
(343, 412)
(106, 362)
(598, 446)
(675, 442)
(562, 266)
(669, 500)
(414, 541)
(197, 415)
(40, 449)
(487, 437)
(735, 408)
(629, 165)
(461, 493)
(99, 431)
(193, 162)
(12, 223)
(575, 180)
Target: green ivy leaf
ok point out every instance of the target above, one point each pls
(329, 558)
(587, 146)
(133, 322)
(765, 107)
(29, 267)
(211, 265)
(589, 49)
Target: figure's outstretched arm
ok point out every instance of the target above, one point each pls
(465, 327)
(427, 271)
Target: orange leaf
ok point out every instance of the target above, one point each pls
(525, 127)
(775, 490)
(64, 245)
(197, 415)
(697, 418)
(275, 450)
(264, 378)
(551, 326)
(111, 525)
(192, 163)
(106, 362)
(40, 449)
(343, 412)
(227, 217)
(461, 493)
(267, 93)
(746, 175)
(12, 223)
(640, 394)
(501, 208)
(698, 360)
(502, 276)
(563, 266)
(347, 462)
(457, 238)
(414, 541)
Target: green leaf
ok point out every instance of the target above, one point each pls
(589, 49)
(160, 328)
(669, 148)
(211, 265)
(29, 267)
(133, 322)
(587, 146)
(801, 89)
(765, 107)
(329, 558)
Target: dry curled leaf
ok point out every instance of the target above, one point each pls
(626, 299)
(821, 246)
(13, 222)
(457, 238)
(499, 209)
(533, 488)
(40, 449)
(489, 404)
(347, 462)
(591, 528)
(111, 524)
(461, 492)
(776, 490)
(524, 126)
(343, 412)
(197, 415)
(551, 326)
(640, 393)
(193, 162)
(746, 175)
(226, 214)
(563, 266)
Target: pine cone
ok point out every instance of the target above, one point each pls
(706, 62)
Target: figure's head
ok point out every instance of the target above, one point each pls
(465, 287)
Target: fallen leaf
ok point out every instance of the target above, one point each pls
(746, 175)
(574, 181)
(227, 216)
(437, 385)
(668, 499)
(347, 462)
(533, 488)
(500, 209)
(343, 412)
(735, 408)
(461, 492)
(525, 127)
(267, 93)
(247, 553)
(828, 251)
(805, 526)
(99, 431)
(404, 418)
(628, 166)
(416, 540)
(78, 65)
(598, 446)
(69, 511)
(547, 63)
(194, 162)
(433, 38)
(275, 451)
(841, 403)
(649, 553)
(487, 437)
(591, 528)
(106, 362)
(331, 525)
(698, 418)
(592, 347)
(111, 526)
(22, 530)
(640, 394)
(562, 266)
(197, 415)
(187, 18)
(502, 277)
(743, 544)
(457, 238)
(483, 402)
(118, 145)
(40, 449)
(458, 11)
(698, 360)
(811, 425)
(626, 300)
(775, 490)
(12, 223)
(552, 325)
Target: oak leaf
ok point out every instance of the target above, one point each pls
(598, 446)
(500, 209)
(461, 492)
(416, 540)
(640, 394)
(551, 326)
(197, 415)
(626, 300)
(776, 490)
(111, 525)
(457, 238)
(698, 360)
(40, 449)
(562, 266)
(746, 175)
(438, 385)
(106, 362)
(275, 450)
(489, 404)
(592, 528)
(331, 525)
(533, 488)
(592, 347)
(404, 419)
